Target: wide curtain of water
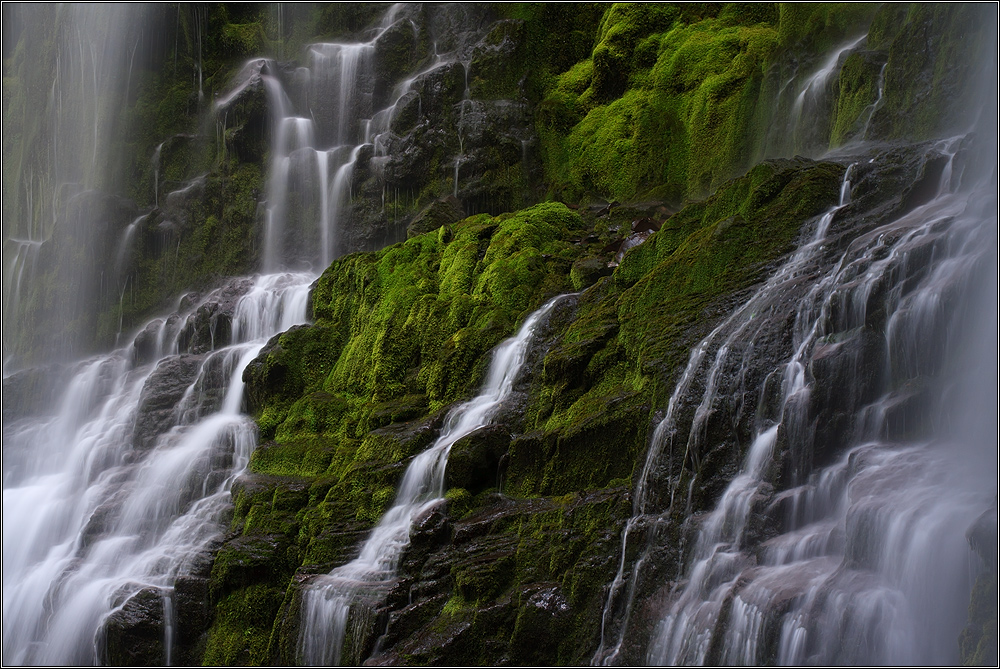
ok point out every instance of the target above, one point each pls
(116, 481)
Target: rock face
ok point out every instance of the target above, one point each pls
(978, 642)
(134, 633)
(161, 395)
(440, 212)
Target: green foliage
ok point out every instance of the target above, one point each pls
(858, 94)
(240, 632)
(817, 27)
(398, 333)
(978, 641)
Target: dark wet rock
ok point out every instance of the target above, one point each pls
(982, 536)
(211, 325)
(145, 347)
(31, 391)
(245, 560)
(444, 211)
(474, 459)
(395, 52)
(161, 395)
(104, 518)
(243, 111)
(646, 224)
(177, 205)
(134, 632)
(541, 623)
(490, 585)
(408, 438)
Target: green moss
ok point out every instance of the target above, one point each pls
(978, 641)
(241, 629)
(748, 222)
(818, 27)
(858, 94)
(933, 53)
(670, 105)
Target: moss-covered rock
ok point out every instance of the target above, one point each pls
(934, 52)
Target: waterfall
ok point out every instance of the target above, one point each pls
(100, 508)
(77, 118)
(743, 325)
(798, 125)
(864, 560)
(328, 600)
(314, 152)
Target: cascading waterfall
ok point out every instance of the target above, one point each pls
(339, 109)
(328, 600)
(857, 384)
(96, 512)
(743, 326)
(334, 97)
(93, 516)
(868, 561)
(77, 117)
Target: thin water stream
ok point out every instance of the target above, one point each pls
(328, 600)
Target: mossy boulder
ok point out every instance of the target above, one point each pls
(586, 271)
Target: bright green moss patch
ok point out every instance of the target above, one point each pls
(241, 629)
(859, 79)
(670, 105)
(399, 334)
(821, 26)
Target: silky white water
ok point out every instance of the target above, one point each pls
(92, 515)
(871, 564)
(327, 601)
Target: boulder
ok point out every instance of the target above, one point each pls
(134, 633)
(161, 396)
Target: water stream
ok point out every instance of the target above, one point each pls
(327, 601)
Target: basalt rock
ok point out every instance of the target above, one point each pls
(134, 633)
(161, 397)
(440, 212)
(474, 459)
